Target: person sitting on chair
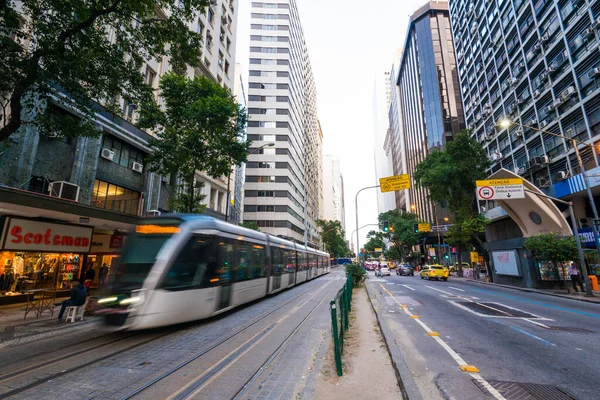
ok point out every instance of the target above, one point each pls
(78, 295)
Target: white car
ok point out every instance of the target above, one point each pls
(383, 270)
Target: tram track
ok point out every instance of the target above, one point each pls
(56, 363)
(192, 387)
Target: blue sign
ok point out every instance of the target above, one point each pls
(587, 237)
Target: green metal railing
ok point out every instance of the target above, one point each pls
(340, 310)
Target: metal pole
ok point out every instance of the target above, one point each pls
(437, 224)
(356, 205)
(228, 194)
(591, 198)
(588, 288)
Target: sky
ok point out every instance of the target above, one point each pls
(351, 43)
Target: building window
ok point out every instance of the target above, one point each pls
(266, 193)
(128, 109)
(266, 179)
(150, 76)
(115, 198)
(267, 124)
(125, 154)
(265, 224)
(211, 15)
(266, 165)
(209, 41)
(266, 208)
(267, 138)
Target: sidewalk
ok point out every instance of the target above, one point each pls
(14, 329)
(580, 296)
(368, 369)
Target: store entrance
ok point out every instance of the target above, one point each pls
(28, 270)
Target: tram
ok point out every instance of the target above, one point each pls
(180, 268)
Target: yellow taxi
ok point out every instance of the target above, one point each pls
(435, 271)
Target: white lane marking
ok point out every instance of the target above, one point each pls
(492, 308)
(455, 288)
(538, 317)
(439, 290)
(536, 323)
(452, 353)
(408, 287)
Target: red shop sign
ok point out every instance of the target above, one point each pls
(29, 235)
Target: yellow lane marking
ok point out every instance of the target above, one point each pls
(469, 368)
(433, 333)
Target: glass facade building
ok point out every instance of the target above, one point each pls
(429, 96)
(536, 63)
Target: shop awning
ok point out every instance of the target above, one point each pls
(534, 214)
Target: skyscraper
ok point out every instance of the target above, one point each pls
(333, 190)
(283, 181)
(430, 101)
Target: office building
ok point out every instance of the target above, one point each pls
(430, 101)
(394, 140)
(382, 97)
(333, 190)
(283, 182)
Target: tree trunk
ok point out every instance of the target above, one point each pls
(191, 189)
(460, 269)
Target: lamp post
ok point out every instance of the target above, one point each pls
(506, 123)
(356, 230)
(356, 205)
(229, 179)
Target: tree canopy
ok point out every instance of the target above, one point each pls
(401, 235)
(552, 247)
(89, 50)
(199, 128)
(250, 225)
(333, 236)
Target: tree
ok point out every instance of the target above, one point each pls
(401, 234)
(375, 241)
(250, 225)
(552, 247)
(89, 50)
(333, 235)
(200, 128)
(449, 175)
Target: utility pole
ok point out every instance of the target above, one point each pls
(356, 205)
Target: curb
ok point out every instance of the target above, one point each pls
(406, 382)
(564, 296)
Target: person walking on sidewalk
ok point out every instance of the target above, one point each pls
(575, 277)
(78, 295)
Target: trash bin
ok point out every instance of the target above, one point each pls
(593, 282)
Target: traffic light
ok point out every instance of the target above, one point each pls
(386, 226)
(416, 228)
(446, 256)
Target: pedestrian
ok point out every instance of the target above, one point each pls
(575, 277)
(103, 274)
(78, 296)
(90, 274)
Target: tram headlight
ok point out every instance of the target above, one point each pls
(105, 300)
(135, 299)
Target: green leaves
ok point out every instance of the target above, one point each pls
(92, 50)
(333, 235)
(552, 247)
(250, 225)
(200, 129)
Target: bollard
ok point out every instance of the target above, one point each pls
(593, 281)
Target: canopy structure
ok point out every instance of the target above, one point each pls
(534, 214)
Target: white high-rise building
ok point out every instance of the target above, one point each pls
(283, 188)
(333, 190)
(382, 97)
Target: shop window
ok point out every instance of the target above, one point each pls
(115, 198)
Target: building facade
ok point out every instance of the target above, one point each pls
(333, 193)
(536, 64)
(236, 183)
(90, 191)
(430, 101)
(382, 97)
(284, 181)
(394, 140)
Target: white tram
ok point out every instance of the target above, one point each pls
(183, 268)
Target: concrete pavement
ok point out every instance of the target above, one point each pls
(521, 342)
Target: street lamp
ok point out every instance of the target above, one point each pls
(229, 179)
(506, 123)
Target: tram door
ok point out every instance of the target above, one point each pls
(276, 266)
(226, 271)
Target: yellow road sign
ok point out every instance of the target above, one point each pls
(378, 249)
(500, 182)
(393, 183)
(474, 257)
(424, 227)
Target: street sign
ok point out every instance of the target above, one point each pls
(499, 182)
(393, 183)
(474, 256)
(424, 227)
(378, 249)
(501, 192)
(440, 228)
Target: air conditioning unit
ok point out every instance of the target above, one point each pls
(545, 160)
(495, 157)
(537, 93)
(543, 124)
(544, 38)
(108, 154)
(552, 69)
(568, 92)
(533, 122)
(513, 81)
(588, 33)
(537, 47)
(64, 190)
(137, 167)
(549, 108)
(518, 133)
(593, 73)
(474, 29)
(519, 170)
(52, 135)
(543, 75)
(153, 213)
(511, 108)
(534, 162)
(569, 133)
(562, 175)
(520, 100)
(543, 182)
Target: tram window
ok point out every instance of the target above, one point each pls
(226, 259)
(301, 261)
(194, 267)
(277, 260)
(250, 261)
(290, 261)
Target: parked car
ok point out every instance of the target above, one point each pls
(435, 272)
(454, 268)
(405, 269)
(383, 271)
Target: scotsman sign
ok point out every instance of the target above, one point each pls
(28, 235)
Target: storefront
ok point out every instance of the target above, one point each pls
(104, 252)
(40, 255)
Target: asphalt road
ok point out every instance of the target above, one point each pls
(517, 340)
